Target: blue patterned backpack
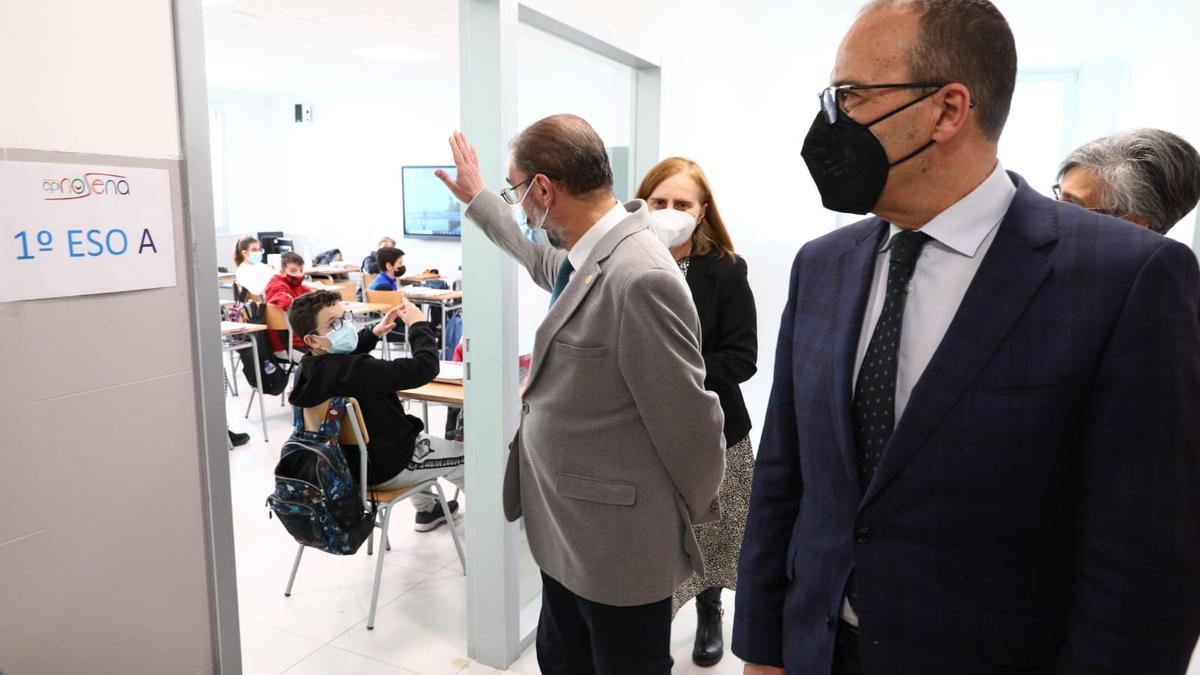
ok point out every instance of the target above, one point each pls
(315, 495)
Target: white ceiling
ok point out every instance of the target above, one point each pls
(307, 46)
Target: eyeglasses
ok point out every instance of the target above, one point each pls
(510, 193)
(1058, 194)
(334, 323)
(833, 98)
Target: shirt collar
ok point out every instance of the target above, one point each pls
(582, 249)
(963, 227)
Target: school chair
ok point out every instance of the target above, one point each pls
(355, 433)
(277, 320)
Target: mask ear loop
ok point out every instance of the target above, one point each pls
(902, 108)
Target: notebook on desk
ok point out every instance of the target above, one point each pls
(451, 372)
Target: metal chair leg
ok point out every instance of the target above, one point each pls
(250, 403)
(233, 374)
(441, 497)
(287, 592)
(387, 517)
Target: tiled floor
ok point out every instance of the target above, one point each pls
(420, 627)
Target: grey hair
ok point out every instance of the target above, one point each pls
(1144, 173)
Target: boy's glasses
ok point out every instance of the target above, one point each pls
(334, 324)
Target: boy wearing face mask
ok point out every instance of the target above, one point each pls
(281, 290)
(340, 364)
(391, 268)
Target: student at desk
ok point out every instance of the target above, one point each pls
(252, 273)
(341, 364)
(369, 264)
(391, 268)
(281, 290)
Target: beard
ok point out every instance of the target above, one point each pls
(554, 231)
(555, 236)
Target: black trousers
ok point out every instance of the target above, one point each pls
(845, 652)
(580, 637)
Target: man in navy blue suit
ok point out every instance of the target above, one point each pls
(982, 451)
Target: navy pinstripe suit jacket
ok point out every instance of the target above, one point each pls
(1037, 508)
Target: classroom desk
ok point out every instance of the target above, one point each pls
(448, 393)
(331, 271)
(231, 330)
(419, 278)
(448, 300)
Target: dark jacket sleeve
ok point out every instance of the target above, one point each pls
(376, 376)
(731, 356)
(1136, 602)
(774, 505)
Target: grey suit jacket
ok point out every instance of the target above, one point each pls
(620, 448)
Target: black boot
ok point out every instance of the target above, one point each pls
(710, 641)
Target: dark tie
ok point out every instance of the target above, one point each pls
(874, 405)
(560, 281)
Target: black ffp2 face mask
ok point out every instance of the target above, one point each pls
(848, 163)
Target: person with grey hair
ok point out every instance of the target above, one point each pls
(1146, 176)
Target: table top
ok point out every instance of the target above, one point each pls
(366, 307)
(331, 269)
(234, 328)
(429, 294)
(420, 278)
(436, 392)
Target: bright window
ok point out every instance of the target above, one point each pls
(216, 142)
(1036, 138)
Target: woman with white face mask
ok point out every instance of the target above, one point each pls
(253, 274)
(688, 223)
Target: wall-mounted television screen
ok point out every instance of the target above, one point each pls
(429, 208)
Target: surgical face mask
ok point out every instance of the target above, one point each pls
(848, 163)
(673, 227)
(399, 271)
(343, 340)
(256, 256)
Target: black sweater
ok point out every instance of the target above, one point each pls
(374, 383)
(728, 334)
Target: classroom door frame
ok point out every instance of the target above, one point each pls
(187, 18)
(500, 624)
(499, 628)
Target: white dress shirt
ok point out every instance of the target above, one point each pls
(960, 237)
(582, 249)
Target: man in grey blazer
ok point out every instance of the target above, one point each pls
(619, 450)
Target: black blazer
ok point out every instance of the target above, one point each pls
(728, 334)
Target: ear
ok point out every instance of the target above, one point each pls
(953, 111)
(703, 213)
(311, 342)
(547, 190)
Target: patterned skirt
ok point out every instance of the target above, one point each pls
(721, 541)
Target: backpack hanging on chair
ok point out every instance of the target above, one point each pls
(274, 375)
(315, 495)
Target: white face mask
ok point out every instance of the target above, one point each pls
(673, 227)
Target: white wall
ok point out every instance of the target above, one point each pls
(102, 541)
(334, 183)
(739, 93)
(740, 84)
